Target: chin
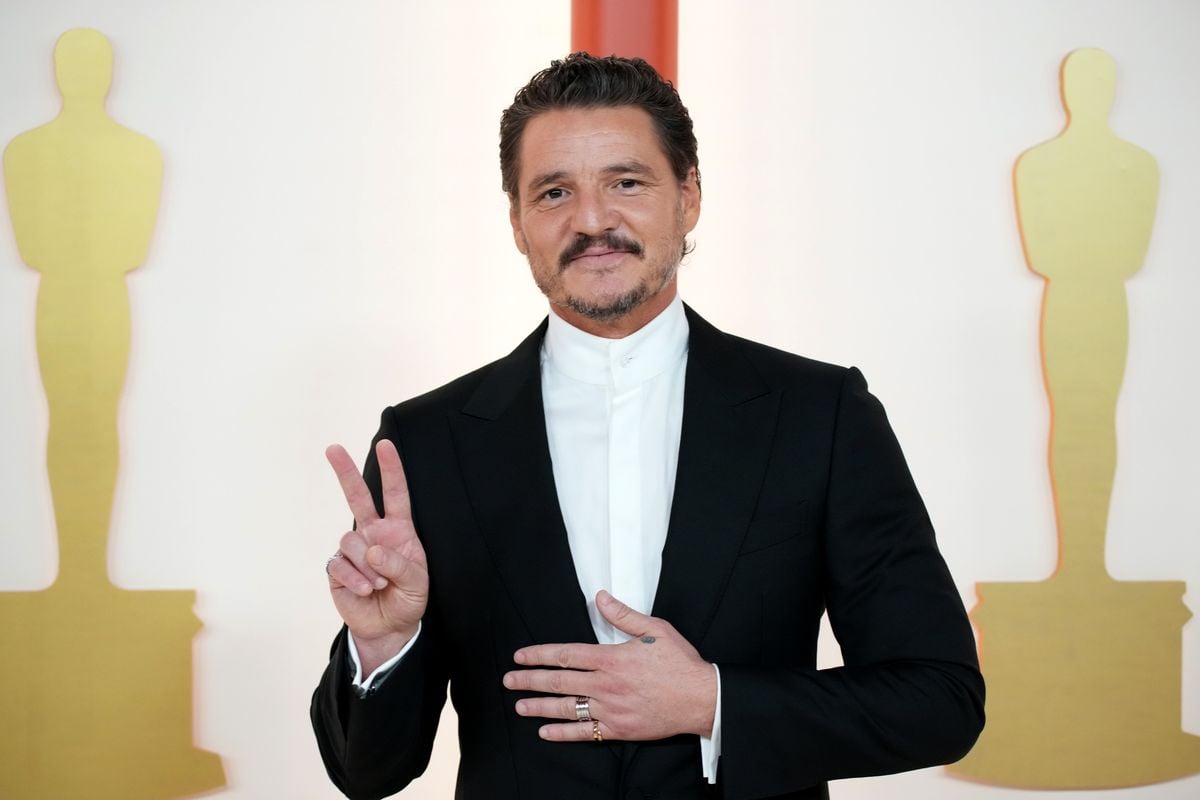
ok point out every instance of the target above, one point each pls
(608, 306)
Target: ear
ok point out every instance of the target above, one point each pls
(689, 201)
(514, 219)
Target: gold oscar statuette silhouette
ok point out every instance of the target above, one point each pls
(1083, 670)
(97, 681)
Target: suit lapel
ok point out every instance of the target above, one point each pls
(729, 418)
(500, 440)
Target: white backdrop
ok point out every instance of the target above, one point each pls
(332, 238)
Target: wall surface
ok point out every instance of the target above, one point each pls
(332, 239)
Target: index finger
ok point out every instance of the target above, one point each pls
(567, 656)
(358, 496)
(395, 485)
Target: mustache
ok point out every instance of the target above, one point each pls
(608, 239)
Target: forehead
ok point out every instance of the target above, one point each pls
(582, 139)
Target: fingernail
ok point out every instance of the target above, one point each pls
(604, 597)
(364, 588)
(521, 707)
(381, 583)
(375, 556)
(519, 657)
(508, 680)
(544, 732)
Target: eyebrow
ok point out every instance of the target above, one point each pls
(544, 179)
(633, 167)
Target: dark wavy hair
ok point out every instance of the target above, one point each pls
(584, 81)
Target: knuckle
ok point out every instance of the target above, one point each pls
(341, 571)
(564, 657)
(555, 682)
(390, 560)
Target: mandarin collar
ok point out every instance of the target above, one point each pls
(619, 363)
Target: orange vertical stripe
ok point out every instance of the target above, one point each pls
(648, 29)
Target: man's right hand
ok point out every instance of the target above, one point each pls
(379, 579)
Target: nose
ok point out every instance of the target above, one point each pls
(594, 213)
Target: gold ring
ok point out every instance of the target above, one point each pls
(596, 731)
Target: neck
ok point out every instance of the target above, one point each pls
(625, 324)
(1088, 117)
(83, 107)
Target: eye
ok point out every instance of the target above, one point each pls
(629, 183)
(554, 194)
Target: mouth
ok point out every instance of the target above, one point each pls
(598, 257)
(601, 252)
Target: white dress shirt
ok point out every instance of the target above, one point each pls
(614, 409)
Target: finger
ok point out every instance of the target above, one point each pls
(395, 485)
(343, 573)
(358, 497)
(574, 732)
(396, 568)
(353, 547)
(624, 618)
(568, 656)
(551, 681)
(552, 707)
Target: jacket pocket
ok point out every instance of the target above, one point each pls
(773, 528)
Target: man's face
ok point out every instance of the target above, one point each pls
(601, 216)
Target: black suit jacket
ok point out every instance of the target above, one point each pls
(791, 497)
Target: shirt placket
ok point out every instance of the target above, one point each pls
(624, 491)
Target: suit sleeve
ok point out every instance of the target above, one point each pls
(374, 746)
(910, 694)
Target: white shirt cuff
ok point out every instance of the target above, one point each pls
(710, 748)
(383, 669)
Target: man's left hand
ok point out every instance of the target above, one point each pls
(654, 686)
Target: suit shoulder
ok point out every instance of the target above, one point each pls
(782, 368)
(483, 389)
(436, 402)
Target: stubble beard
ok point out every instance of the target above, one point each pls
(610, 309)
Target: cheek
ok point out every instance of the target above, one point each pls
(658, 224)
(546, 240)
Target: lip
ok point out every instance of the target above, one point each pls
(599, 257)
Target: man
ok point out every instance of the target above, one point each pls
(617, 542)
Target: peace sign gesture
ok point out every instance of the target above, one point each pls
(379, 578)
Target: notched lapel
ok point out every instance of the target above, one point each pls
(500, 441)
(729, 420)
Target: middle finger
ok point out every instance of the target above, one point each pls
(551, 681)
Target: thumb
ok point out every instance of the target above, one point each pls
(389, 563)
(621, 616)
